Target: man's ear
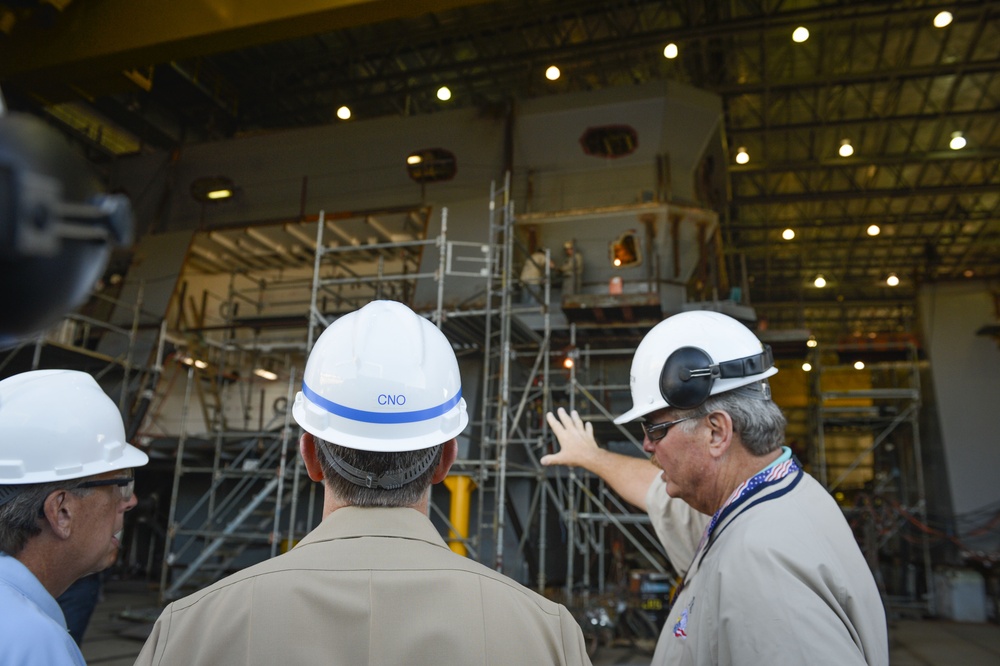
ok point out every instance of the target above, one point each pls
(58, 511)
(721, 426)
(449, 453)
(310, 457)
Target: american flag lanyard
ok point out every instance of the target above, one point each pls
(743, 494)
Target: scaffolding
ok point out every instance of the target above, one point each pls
(250, 482)
(868, 455)
(75, 344)
(243, 492)
(515, 395)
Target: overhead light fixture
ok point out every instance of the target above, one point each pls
(444, 93)
(957, 141)
(742, 156)
(344, 113)
(670, 51)
(846, 149)
(196, 362)
(943, 19)
(892, 280)
(807, 366)
(568, 362)
(788, 234)
(212, 188)
(264, 373)
(414, 159)
(820, 281)
(800, 34)
(859, 365)
(968, 272)
(552, 73)
(811, 342)
(874, 230)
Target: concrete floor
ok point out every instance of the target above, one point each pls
(125, 614)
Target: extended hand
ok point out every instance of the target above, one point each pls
(576, 440)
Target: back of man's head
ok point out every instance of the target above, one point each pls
(380, 394)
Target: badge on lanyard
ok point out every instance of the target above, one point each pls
(680, 628)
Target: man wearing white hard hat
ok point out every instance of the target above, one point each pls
(65, 484)
(771, 571)
(381, 405)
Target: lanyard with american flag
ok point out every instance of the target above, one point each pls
(744, 493)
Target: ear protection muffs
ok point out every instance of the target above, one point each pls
(688, 374)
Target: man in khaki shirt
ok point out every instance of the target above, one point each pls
(374, 583)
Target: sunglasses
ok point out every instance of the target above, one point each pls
(125, 484)
(657, 431)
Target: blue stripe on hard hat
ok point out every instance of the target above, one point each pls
(380, 417)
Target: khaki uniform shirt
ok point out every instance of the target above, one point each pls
(783, 582)
(367, 586)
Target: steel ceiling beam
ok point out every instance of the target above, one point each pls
(118, 34)
(867, 121)
(883, 193)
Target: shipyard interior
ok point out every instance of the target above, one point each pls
(545, 181)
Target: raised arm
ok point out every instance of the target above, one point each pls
(628, 476)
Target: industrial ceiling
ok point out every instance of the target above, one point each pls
(130, 75)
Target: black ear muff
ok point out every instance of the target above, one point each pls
(686, 379)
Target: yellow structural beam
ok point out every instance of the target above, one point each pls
(113, 35)
(461, 488)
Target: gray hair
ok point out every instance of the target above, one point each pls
(20, 516)
(756, 419)
(378, 465)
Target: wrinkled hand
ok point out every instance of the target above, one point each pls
(576, 440)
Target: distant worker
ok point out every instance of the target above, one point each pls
(571, 269)
(533, 275)
(66, 482)
(772, 573)
(381, 405)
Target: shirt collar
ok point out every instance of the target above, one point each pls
(353, 521)
(786, 454)
(19, 577)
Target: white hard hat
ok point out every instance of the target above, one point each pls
(382, 378)
(57, 425)
(690, 356)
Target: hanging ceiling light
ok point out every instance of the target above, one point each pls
(670, 51)
(820, 281)
(344, 113)
(874, 230)
(859, 365)
(800, 34)
(264, 373)
(811, 342)
(788, 234)
(957, 141)
(807, 366)
(742, 156)
(552, 73)
(846, 149)
(444, 93)
(943, 19)
(892, 280)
